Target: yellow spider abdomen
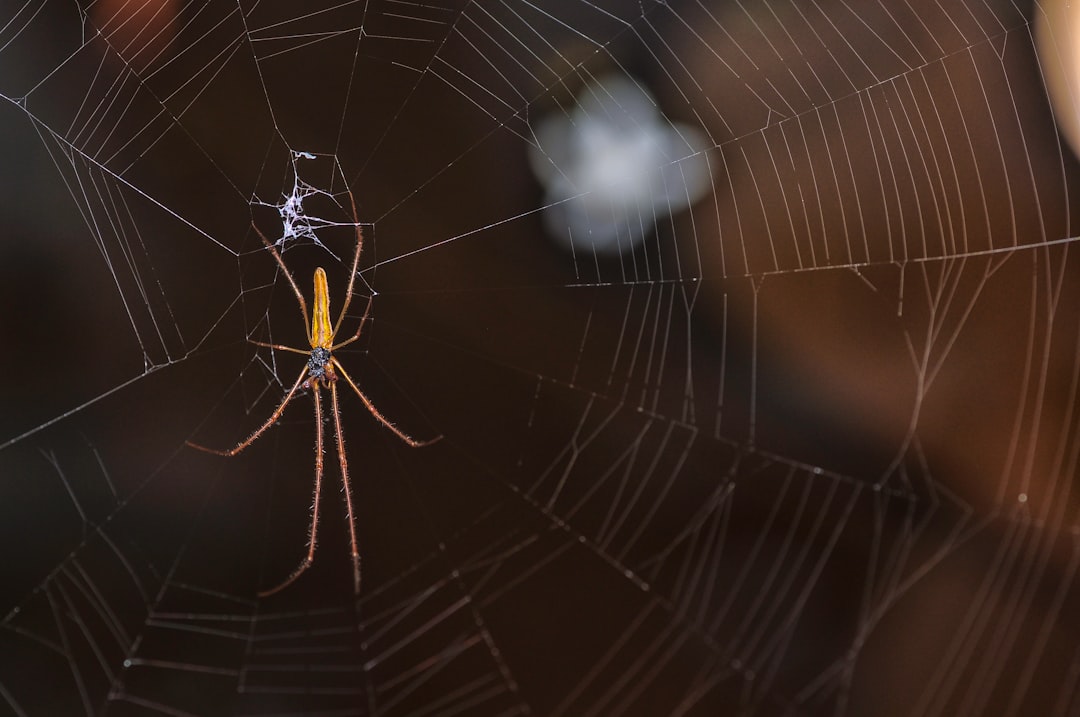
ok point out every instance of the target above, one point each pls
(322, 331)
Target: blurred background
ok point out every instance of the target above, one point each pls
(750, 328)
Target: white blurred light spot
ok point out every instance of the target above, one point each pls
(613, 166)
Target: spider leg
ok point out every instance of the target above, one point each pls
(347, 487)
(261, 429)
(375, 412)
(354, 337)
(314, 528)
(355, 265)
(279, 347)
(288, 275)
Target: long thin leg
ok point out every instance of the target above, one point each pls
(314, 529)
(375, 412)
(261, 429)
(288, 275)
(359, 329)
(347, 486)
(279, 347)
(355, 265)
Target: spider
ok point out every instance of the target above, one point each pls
(321, 370)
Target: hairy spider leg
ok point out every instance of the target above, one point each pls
(352, 274)
(359, 330)
(288, 274)
(313, 527)
(261, 429)
(375, 412)
(347, 487)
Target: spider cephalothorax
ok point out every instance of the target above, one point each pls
(318, 365)
(321, 370)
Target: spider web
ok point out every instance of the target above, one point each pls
(779, 418)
